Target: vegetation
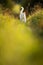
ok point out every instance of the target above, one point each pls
(17, 43)
(36, 22)
(20, 43)
(6, 3)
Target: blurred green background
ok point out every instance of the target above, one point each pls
(20, 43)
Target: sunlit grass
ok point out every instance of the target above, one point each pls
(16, 8)
(16, 42)
(35, 14)
(36, 23)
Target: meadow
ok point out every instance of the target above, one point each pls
(18, 44)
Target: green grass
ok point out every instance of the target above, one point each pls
(17, 42)
(36, 22)
(16, 8)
